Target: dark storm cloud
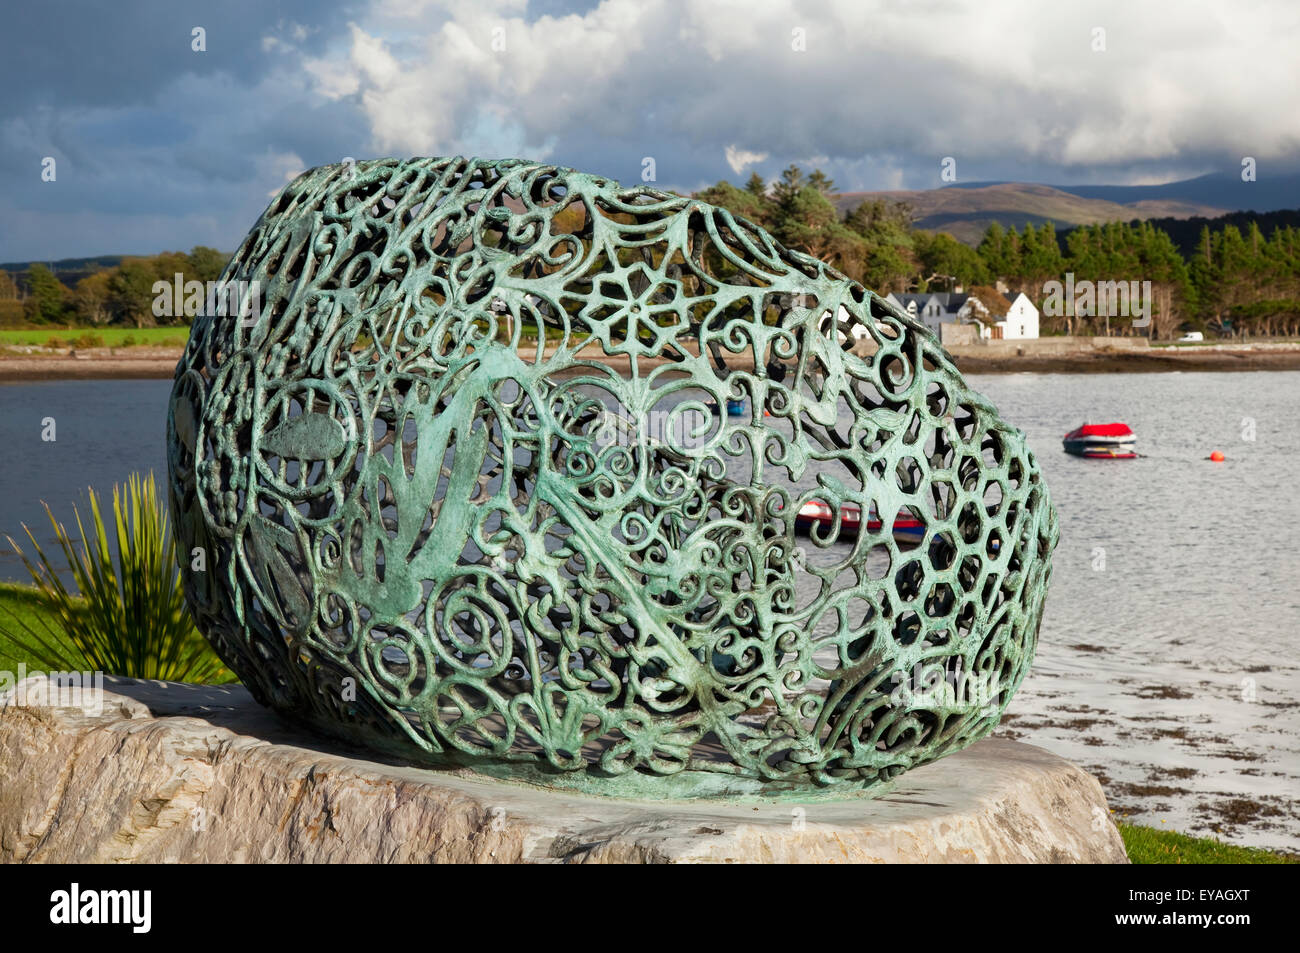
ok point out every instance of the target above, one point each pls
(157, 145)
(83, 54)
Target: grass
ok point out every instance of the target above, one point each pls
(110, 337)
(1147, 845)
(124, 615)
(24, 604)
(1219, 342)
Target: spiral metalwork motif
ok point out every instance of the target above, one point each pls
(563, 564)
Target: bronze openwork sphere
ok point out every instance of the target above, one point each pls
(500, 466)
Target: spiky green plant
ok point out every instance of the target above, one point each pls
(126, 618)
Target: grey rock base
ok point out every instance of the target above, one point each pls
(168, 772)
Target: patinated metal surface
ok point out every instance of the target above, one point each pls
(559, 564)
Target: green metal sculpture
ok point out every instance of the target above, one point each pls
(563, 563)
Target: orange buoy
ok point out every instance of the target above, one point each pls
(1217, 456)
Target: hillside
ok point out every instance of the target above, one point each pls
(966, 212)
(1269, 193)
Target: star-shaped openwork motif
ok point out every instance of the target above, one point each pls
(637, 312)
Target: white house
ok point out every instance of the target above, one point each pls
(1019, 319)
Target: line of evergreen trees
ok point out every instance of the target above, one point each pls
(1234, 281)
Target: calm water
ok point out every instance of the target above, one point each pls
(1169, 661)
(1171, 668)
(104, 431)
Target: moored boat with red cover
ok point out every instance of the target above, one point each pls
(1112, 441)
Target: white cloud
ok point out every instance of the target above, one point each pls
(900, 84)
(372, 60)
(739, 159)
(331, 80)
(280, 167)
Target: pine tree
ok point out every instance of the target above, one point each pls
(992, 250)
(821, 182)
(45, 295)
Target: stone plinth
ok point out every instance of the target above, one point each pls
(167, 772)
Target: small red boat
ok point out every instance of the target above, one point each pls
(1113, 441)
(815, 513)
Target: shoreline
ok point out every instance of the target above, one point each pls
(1145, 360)
(158, 364)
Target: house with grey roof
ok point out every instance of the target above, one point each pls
(932, 309)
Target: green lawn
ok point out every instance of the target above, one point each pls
(98, 337)
(21, 602)
(1147, 845)
(1216, 341)
(22, 614)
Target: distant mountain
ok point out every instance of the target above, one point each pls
(1224, 190)
(966, 210)
(67, 270)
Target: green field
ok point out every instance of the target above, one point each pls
(98, 337)
(1147, 845)
(20, 603)
(1220, 342)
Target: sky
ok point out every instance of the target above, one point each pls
(158, 145)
